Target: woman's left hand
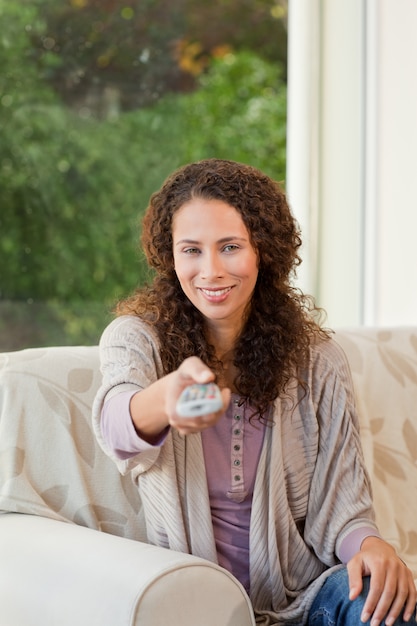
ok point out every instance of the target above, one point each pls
(392, 589)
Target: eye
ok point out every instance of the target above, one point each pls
(231, 247)
(191, 251)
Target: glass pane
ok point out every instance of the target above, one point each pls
(99, 101)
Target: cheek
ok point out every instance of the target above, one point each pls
(177, 263)
(183, 270)
(247, 269)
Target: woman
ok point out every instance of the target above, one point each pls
(273, 486)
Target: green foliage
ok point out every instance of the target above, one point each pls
(143, 50)
(239, 113)
(73, 188)
(19, 72)
(89, 46)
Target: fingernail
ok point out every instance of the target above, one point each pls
(365, 617)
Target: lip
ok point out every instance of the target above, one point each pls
(215, 294)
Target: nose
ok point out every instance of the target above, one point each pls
(212, 266)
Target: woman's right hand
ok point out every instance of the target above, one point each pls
(154, 408)
(191, 370)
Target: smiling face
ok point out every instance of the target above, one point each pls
(215, 262)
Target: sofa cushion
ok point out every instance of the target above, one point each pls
(50, 463)
(384, 370)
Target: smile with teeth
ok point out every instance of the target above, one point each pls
(216, 292)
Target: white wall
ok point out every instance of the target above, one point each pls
(352, 155)
(396, 163)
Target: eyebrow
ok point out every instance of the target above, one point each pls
(222, 240)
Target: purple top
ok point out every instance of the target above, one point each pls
(231, 453)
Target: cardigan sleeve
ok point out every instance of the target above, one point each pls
(119, 431)
(340, 502)
(129, 361)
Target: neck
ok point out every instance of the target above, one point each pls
(224, 340)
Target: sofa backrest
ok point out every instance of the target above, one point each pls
(50, 463)
(384, 370)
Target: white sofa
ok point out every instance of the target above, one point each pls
(57, 489)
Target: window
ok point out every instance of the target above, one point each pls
(99, 101)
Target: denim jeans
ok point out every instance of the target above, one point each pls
(332, 607)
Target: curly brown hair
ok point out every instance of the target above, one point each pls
(282, 321)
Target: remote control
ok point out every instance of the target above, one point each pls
(199, 399)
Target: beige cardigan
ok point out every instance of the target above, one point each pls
(311, 486)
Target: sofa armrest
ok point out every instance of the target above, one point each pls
(54, 572)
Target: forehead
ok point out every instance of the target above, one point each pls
(201, 214)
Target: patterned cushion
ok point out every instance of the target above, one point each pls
(384, 370)
(50, 463)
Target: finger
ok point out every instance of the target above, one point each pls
(397, 606)
(355, 574)
(399, 596)
(194, 370)
(375, 599)
(389, 606)
(410, 607)
(190, 429)
(189, 425)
